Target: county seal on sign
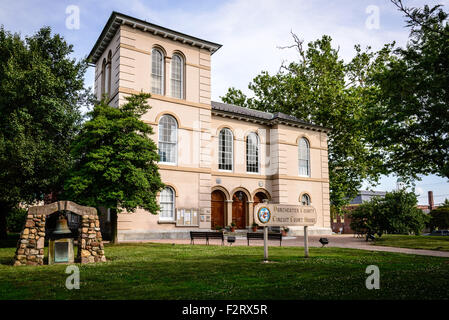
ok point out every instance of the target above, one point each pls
(264, 215)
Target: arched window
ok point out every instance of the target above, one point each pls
(177, 76)
(304, 157)
(252, 153)
(108, 75)
(103, 78)
(157, 71)
(225, 149)
(167, 204)
(168, 139)
(305, 199)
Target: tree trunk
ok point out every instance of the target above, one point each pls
(114, 226)
(4, 210)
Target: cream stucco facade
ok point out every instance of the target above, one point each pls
(202, 191)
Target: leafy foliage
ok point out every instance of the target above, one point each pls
(16, 219)
(412, 113)
(323, 89)
(41, 92)
(115, 159)
(396, 213)
(440, 217)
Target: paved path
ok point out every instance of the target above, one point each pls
(339, 241)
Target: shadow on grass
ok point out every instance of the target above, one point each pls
(5, 261)
(11, 242)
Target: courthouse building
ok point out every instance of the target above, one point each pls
(217, 160)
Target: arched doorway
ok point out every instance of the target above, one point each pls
(259, 197)
(239, 204)
(217, 209)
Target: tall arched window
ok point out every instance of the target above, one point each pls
(108, 74)
(168, 139)
(167, 204)
(304, 157)
(252, 153)
(157, 71)
(305, 199)
(177, 76)
(103, 78)
(225, 149)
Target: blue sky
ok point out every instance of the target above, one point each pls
(249, 30)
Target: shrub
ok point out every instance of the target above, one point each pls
(440, 217)
(396, 213)
(15, 220)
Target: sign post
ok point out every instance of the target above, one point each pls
(269, 214)
(306, 243)
(265, 244)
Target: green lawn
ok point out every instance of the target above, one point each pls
(414, 242)
(165, 271)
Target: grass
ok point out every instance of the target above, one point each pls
(165, 271)
(414, 242)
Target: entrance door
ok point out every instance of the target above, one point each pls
(239, 202)
(217, 209)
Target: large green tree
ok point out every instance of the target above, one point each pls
(41, 92)
(116, 160)
(412, 114)
(323, 89)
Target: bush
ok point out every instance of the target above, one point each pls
(396, 213)
(15, 221)
(440, 217)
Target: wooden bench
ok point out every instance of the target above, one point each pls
(206, 235)
(259, 236)
(360, 233)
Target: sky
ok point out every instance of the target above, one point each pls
(251, 32)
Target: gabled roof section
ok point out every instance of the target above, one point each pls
(116, 19)
(267, 118)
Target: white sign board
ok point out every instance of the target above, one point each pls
(271, 214)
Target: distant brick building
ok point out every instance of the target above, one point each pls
(341, 224)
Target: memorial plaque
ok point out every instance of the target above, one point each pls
(284, 215)
(61, 252)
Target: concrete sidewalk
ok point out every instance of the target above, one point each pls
(338, 241)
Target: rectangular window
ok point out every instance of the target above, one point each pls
(225, 150)
(303, 167)
(252, 154)
(176, 77)
(167, 152)
(157, 72)
(167, 205)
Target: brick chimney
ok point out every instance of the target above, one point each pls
(430, 196)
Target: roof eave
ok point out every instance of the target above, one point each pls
(116, 19)
(270, 122)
